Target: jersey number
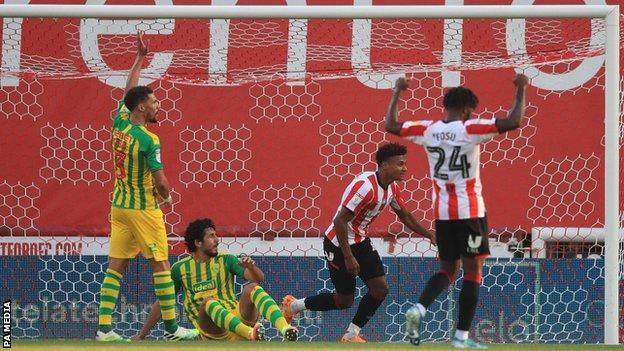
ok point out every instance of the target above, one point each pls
(456, 162)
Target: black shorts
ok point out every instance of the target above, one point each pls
(462, 237)
(367, 258)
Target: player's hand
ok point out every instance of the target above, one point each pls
(246, 262)
(432, 238)
(142, 49)
(137, 337)
(168, 202)
(352, 265)
(401, 84)
(520, 80)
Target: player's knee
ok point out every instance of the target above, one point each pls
(160, 266)
(343, 301)
(250, 286)
(205, 301)
(379, 292)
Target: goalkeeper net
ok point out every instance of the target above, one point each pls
(264, 122)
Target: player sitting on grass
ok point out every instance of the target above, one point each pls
(207, 278)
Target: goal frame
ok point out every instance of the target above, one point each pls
(612, 75)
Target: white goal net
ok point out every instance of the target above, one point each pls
(263, 124)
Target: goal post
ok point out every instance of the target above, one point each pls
(610, 14)
(612, 167)
(310, 12)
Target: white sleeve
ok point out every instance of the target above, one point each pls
(481, 130)
(414, 131)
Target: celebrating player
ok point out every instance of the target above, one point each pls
(137, 223)
(452, 146)
(207, 278)
(348, 249)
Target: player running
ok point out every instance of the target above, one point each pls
(348, 248)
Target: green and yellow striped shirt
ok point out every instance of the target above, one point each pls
(136, 154)
(213, 278)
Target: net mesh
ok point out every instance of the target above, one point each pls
(268, 50)
(264, 122)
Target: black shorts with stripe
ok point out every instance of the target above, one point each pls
(368, 259)
(462, 237)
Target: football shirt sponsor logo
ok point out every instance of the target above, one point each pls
(203, 286)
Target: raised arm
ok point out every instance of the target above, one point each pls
(135, 71)
(516, 114)
(393, 125)
(150, 322)
(410, 221)
(252, 273)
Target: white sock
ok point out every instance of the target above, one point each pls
(298, 305)
(421, 309)
(461, 334)
(353, 329)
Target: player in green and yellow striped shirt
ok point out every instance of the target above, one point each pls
(137, 224)
(207, 278)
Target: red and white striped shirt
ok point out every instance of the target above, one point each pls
(366, 199)
(454, 161)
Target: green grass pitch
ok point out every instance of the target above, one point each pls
(66, 345)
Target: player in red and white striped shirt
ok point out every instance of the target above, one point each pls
(348, 249)
(366, 198)
(453, 149)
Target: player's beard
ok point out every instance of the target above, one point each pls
(211, 252)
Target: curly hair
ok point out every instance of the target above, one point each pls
(389, 150)
(195, 231)
(137, 95)
(460, 97)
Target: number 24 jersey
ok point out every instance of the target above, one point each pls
(453, 150)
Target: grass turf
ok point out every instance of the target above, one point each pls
(50, 345)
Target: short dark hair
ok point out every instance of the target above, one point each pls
(136, 95)
(195, 231)
(389, 150)
(460, 97)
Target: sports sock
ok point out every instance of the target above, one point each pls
(165, 293)
(226, 320)
(366, 310)
(109, 292)
(468, 298)
(353, 329)
(268, 308)
(461, 334)
(421, 309)
(321, 302)
(298, 305)
(436, 284)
